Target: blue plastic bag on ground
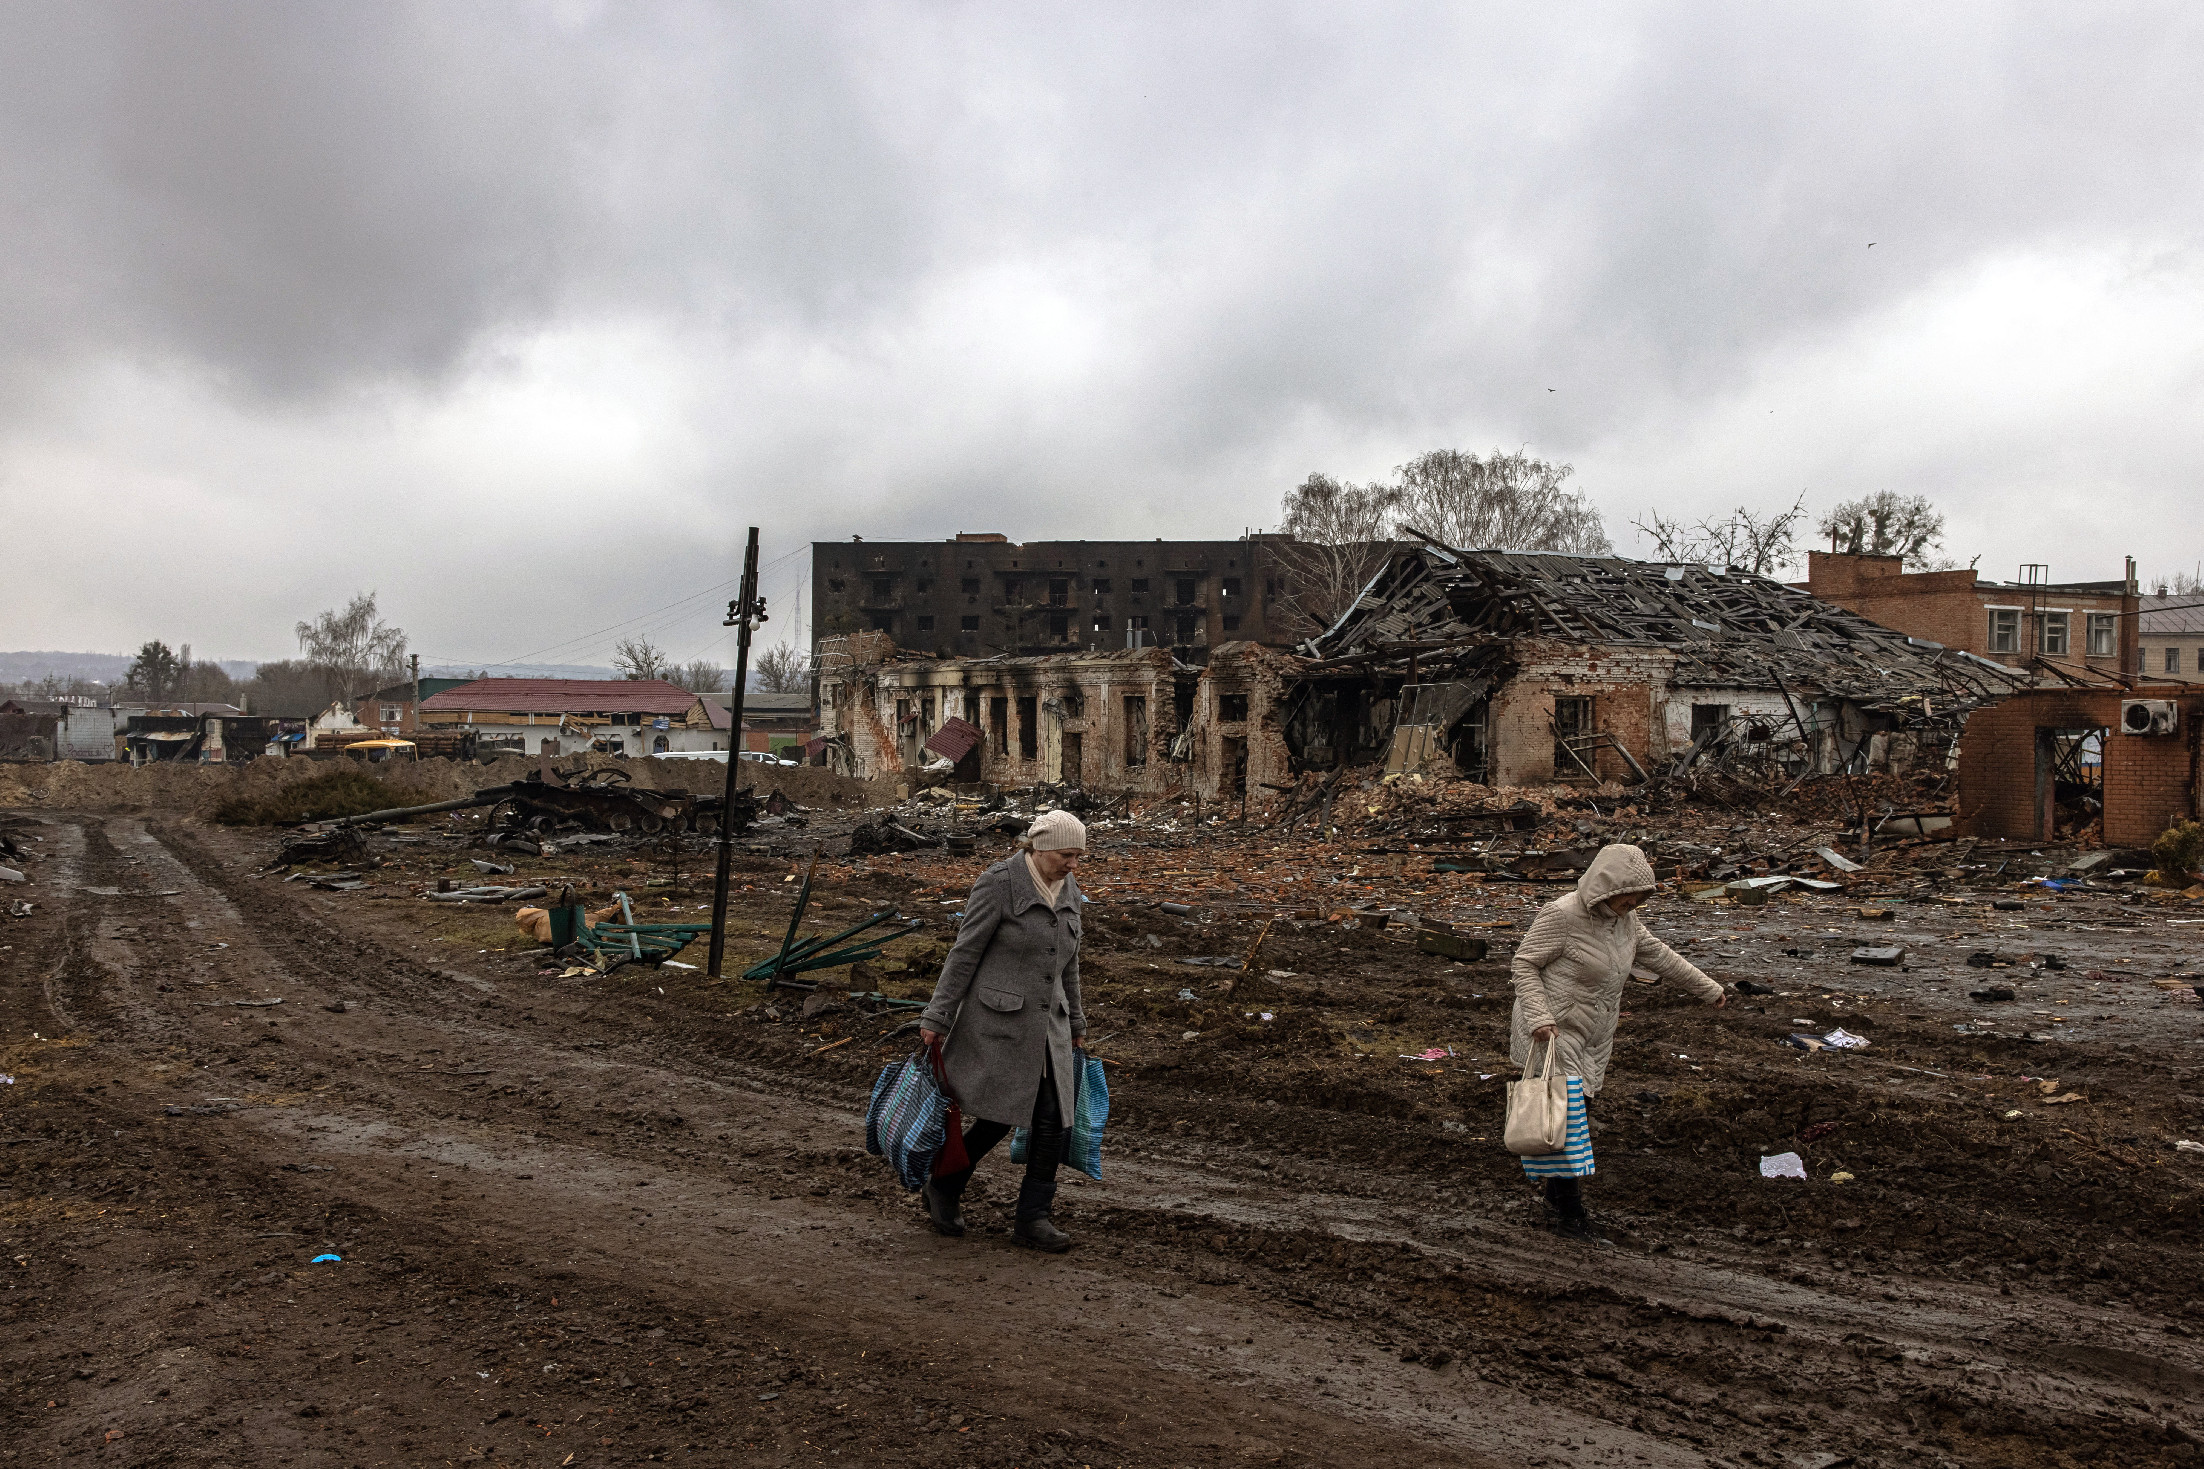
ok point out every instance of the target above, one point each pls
(907, 1121)
(1090, 1108)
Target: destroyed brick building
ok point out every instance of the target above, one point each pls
(2113, 763)
(1525, 668)
(1511, 669)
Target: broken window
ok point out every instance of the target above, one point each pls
(1231, 707)
(1185, 628)
(1059, 626)
(1101, 622)
(882, 588)
(1231, 622)
(1029, 727)
(2005, 629)
(1140, 585)
(925, 623)
(1059, 592)
(2053, 635)
(1186, 588)
(926, 713)
(1136, 730)
(1572, 721)
(902, 710)
(883, 622)
(1101, 586)
(1231, 586)
(1075, 703)
(2103, 635)
(834, 584)
(971, 585)
(998, 720)
(971, 624)
(924, 586)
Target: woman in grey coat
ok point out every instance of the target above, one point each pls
(1008, 1001)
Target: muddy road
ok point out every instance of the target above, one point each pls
(629, 1219)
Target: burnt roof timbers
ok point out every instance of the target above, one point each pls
(1727, 629)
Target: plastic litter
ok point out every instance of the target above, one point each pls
(1782, 1165)
(2185, 1146)
(1843, 1040)
(1436, 1053)
(326, 1260)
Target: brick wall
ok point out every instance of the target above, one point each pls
(1628, 688)
(2148, 781)
(1949, 607)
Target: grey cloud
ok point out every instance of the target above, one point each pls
(912, 268)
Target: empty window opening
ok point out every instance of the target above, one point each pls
(1029, 727)
(1231, 707)
(1136, 730)
(998, 722)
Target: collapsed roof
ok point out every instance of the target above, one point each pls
(1727, 628)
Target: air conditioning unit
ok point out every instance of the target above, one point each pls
(2149, 716)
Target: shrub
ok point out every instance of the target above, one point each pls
(342, 792)
(2180, 848)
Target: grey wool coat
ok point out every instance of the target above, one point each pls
(1570, 968)
(1008, 995)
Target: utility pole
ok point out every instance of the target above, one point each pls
(744, 613)
(416, 660)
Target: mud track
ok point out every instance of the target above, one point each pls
(581, 1226)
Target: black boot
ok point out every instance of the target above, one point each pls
(1567, 1197)
(1044, 1149)
(942, 1196)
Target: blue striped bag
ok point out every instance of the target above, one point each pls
(907, 1121)
(1090, 1109)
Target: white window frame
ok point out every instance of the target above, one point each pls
(2107, 623)
(2063, 618)
(2012, 645)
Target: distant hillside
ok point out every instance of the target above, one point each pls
(114, 667)
(104, 667)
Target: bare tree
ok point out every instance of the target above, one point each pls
(1501, 502)
(639, 658)
(1884, 524)
(783, 668)
(1341, 536)
(1763, 543)
(354, 651)
(285, 688)
(699, 676)
(2180, 584)
(153, 675)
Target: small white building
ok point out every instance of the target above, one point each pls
(565, 716)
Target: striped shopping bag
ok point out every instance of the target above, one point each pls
(912, 1121)
(1090, 1108)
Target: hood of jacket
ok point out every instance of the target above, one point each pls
(1617, 869)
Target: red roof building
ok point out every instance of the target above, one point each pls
(585, 698)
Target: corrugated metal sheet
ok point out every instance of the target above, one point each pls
(955, 739)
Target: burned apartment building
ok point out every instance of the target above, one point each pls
(982, 595)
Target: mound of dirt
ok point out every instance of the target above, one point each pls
(202, 790)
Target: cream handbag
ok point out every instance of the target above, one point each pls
(1538, 1109)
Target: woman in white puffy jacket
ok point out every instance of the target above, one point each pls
(1569, 974)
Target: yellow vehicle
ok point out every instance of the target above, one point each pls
(376, 752)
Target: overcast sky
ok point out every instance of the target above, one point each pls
(517, 314)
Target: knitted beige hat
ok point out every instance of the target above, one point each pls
(1056, 831)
